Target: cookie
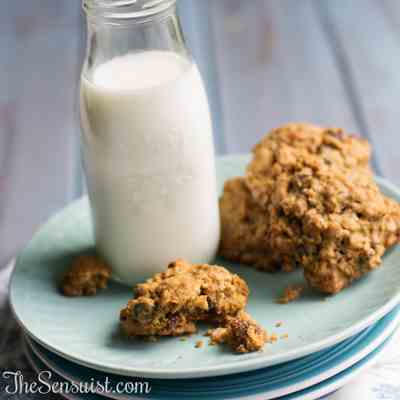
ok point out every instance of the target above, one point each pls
(87, 274)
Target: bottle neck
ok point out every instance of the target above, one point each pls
(122, 27)
(120, 11)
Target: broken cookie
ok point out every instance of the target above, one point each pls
(170, 303)
(241, 333)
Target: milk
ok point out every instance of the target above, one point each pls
(149, 161)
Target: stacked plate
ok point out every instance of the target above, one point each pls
(323, 342)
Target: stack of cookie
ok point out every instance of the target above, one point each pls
(308, 199)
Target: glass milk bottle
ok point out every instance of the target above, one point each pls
(146, 140)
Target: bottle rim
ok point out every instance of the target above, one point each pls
(126, 9)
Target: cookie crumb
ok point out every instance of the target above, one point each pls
(241, 333)
(273, 338)
(199, 344)
(284, 336)
(291, 293)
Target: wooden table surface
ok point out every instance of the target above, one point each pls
(265, 62)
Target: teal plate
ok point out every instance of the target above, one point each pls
(85, 330)
(272, 382)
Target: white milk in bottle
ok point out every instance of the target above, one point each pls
(149, 161)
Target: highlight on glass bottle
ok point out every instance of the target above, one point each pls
(127, 8)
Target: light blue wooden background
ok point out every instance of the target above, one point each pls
(265, 62)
